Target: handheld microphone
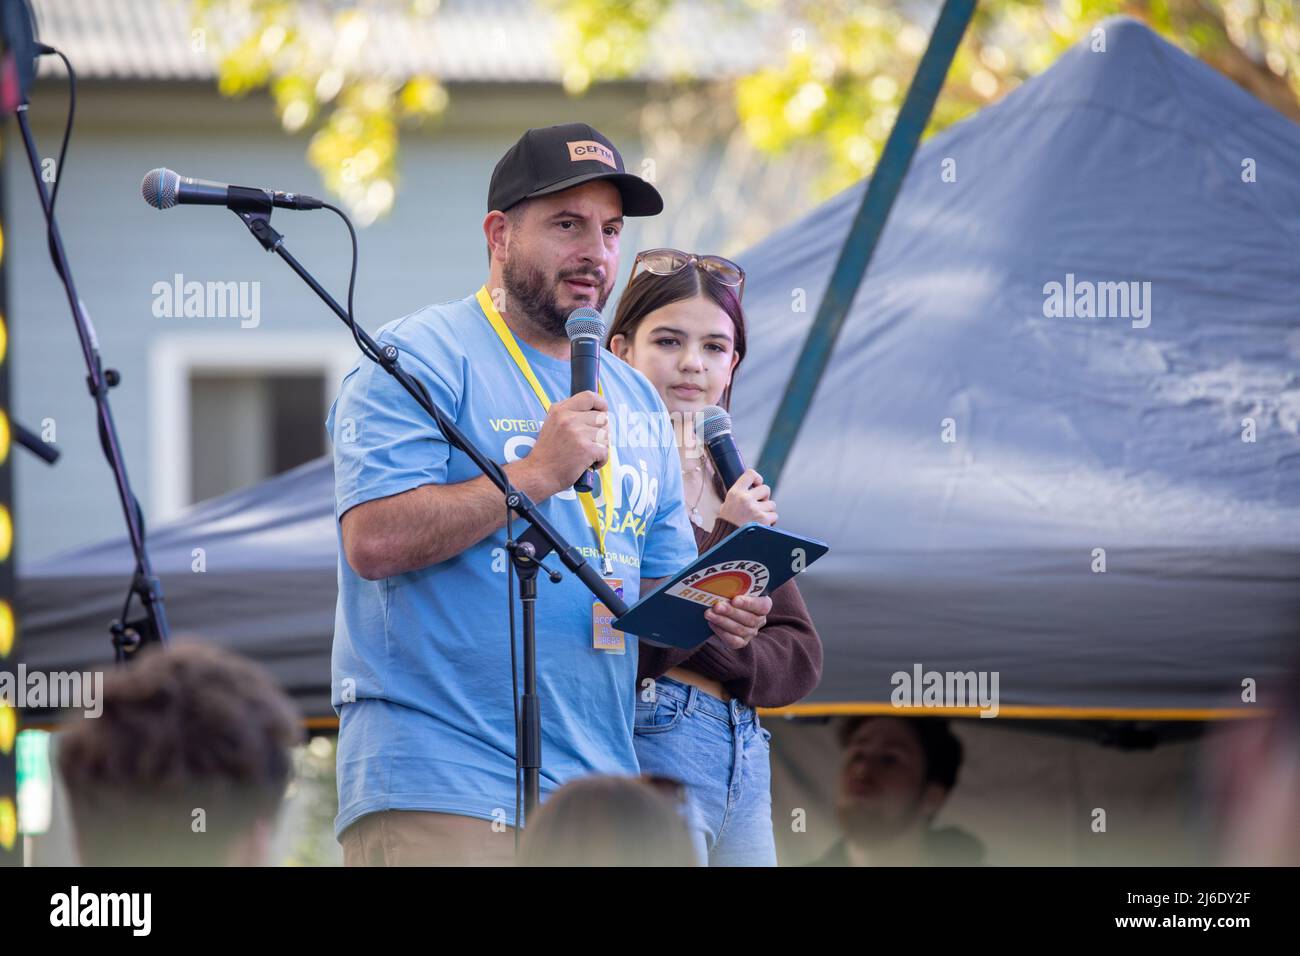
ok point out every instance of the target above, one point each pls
(586, 330)
(164, 188)
(713, 427)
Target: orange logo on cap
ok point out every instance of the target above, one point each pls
(590, 149)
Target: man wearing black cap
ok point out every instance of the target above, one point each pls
(421, 662)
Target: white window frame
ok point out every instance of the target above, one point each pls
(173, 360)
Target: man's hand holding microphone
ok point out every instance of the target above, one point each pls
(573, 438)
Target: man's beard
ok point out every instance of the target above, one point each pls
(538, 299)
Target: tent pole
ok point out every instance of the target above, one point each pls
(864, 233)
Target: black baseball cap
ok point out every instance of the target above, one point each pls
(554, 158)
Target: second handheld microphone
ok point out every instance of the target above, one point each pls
(713, 427)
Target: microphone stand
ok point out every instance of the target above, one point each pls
(129, 636)
(254, 210)
(32, 442)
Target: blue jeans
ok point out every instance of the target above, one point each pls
(721, 753)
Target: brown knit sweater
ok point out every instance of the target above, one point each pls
(780, 666)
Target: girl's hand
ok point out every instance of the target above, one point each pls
(738, 621)
(749, 500)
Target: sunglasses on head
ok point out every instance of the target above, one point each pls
(667, 262)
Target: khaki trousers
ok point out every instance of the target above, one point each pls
(420, 838)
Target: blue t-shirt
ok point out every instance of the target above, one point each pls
(421, 661)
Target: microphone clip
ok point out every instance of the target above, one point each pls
(241, 199)
(257, 217)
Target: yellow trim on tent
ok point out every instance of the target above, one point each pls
(1015, 711)
(864, 708)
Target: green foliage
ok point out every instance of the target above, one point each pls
(846, 66)
(838, 80)
(309, 57)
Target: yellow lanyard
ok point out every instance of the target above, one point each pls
(606, 483)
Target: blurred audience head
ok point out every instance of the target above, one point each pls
(610, 821)
(895, 775)
(187, 765)
(1252, 777)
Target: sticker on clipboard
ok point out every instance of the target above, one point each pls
(723, 581)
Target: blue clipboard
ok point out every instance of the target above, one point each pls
(754, 559)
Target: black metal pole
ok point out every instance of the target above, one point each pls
(128, 635)
(530, 716)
